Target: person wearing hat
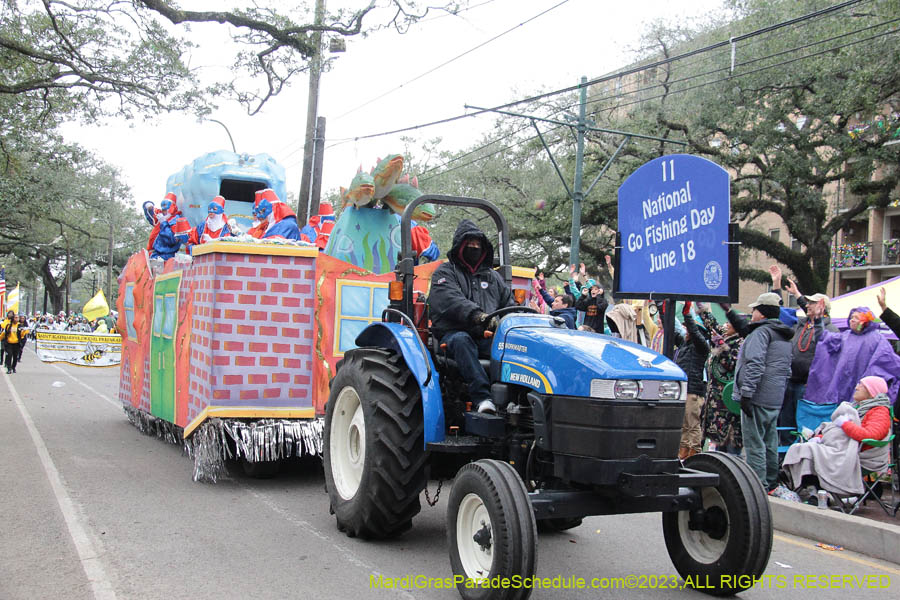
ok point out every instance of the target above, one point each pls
(807, 333)
(277, 220)
(215, 225)
(845, 357)
(832, 457)
(171, 231)
(760, 378)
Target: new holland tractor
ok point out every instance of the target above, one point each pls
(590, 426)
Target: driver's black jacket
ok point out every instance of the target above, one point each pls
(459, 291)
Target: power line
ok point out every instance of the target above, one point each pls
(447, 62)
(702, 84)
(617, 74)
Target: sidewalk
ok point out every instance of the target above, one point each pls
(876, 538)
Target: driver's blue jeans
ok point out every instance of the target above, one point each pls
(464, 349)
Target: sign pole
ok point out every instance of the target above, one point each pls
(668, 321)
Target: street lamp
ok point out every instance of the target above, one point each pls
(230, 139)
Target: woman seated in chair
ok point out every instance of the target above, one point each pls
(833, 457)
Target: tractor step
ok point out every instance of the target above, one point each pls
(459, 444)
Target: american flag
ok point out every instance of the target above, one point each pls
(2, 289)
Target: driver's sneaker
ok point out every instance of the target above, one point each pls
(486, 406)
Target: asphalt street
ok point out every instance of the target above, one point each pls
(92, 509)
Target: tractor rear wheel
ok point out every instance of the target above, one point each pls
(374, 444)
(729, 547)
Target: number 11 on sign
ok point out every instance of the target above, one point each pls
(671, 170)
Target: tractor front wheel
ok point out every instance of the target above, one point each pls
(727, 547)
(492, 531)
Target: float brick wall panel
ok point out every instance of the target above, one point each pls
(251, 331)
(201, 275)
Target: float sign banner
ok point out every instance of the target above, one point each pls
(674, 215)
(82, 349)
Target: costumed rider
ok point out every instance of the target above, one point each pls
(171, 230)
(423, 245)
(318, 229)
(214, 227)
(276, 219)
(463, 291)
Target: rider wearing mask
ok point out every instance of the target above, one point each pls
(464, 291)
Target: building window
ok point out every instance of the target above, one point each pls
(796, 246)
(774, 233)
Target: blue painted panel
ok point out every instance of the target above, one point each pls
(673, 216)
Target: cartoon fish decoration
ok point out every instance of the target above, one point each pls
(385, 174)
(361, 192)
(401, 195)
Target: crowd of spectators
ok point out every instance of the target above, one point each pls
(747, 377)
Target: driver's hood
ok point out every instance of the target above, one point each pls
(534, 351)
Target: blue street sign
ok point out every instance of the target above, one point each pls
(674, 215)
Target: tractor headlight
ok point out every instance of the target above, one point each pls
(669, 390)
(627, 389)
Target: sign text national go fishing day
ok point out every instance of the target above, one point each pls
(674, 215)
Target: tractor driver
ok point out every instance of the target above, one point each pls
(463, 291)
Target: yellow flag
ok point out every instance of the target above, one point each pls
(96, 307)
(12, 300)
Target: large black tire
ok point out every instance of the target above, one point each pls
(492, 530)
(374, 444)
(734, 547)
(557, 525)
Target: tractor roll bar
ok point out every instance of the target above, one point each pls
(404, 268)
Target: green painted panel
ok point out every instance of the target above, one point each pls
(162, 348)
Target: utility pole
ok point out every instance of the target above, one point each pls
(312, 110)
(578, 191)
(109, 263)
(318, 156)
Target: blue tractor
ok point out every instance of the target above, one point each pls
(591, 426)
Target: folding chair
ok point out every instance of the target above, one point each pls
(871, 479)
(808, 415)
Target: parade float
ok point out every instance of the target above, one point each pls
(230, 350)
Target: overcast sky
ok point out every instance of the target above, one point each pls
(578, 37)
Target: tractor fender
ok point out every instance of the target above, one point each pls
(405, 342)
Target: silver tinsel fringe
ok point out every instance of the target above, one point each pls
(218, 440)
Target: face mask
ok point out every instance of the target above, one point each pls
(471, 255)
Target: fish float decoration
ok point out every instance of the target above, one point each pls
(386, 184)
(386, 173)
(361, 192)
(404, 193)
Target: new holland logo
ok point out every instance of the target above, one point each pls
(526, 379)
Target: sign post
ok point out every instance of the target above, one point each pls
(675, 239)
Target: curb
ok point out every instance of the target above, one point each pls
(876, 539)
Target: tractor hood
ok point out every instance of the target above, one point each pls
(534, 351)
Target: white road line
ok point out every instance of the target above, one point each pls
(114, 404)
(87, 553)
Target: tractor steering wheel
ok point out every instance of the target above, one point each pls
(492, 320)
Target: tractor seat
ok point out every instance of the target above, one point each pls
(444, 362)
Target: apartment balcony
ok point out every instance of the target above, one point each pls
(867, 255)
